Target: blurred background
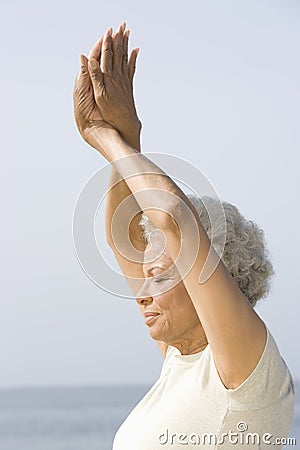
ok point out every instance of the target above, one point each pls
(217, 84)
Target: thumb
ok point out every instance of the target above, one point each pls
(96, 75)
(82, 83)
(83, 75)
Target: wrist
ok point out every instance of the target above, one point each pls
(132, 135)
(100, 137)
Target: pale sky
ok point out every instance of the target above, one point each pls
(217, 84)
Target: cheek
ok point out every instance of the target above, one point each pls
(181, 308)
(174, 301)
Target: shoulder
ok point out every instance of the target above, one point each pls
(269, 382)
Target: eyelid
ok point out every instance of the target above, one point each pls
(162, 270)
(159, 279)
(155, 268)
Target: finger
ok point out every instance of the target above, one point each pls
(132, 63)
(106, 53)
(117, 48)
(83, 77)
(96, 77)
(125, 50)
(82, 83)
(96, 50)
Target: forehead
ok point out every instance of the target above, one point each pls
(156, 254)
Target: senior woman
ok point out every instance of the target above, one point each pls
(223, 382)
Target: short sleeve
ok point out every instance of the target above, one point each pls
(269, 382)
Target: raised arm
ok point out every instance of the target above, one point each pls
(111, 52)
(121, 113)
(234, 331)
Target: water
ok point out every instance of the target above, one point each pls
(64, 418)
(72, 418)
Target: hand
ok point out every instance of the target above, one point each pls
(112, 75)
(87, 115)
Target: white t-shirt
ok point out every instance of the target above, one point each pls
(189, 407)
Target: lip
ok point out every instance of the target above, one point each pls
(150, 316)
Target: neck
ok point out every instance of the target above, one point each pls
(193, 342)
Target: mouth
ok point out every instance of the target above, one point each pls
(150, 317)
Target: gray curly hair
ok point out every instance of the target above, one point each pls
(245, 253)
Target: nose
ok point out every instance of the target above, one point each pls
(143, 296)
(144, 300)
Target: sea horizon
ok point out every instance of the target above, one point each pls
(73, 417)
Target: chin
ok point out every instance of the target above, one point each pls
(156, 334)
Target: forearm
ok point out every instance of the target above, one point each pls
(159, 196)
(118, 191)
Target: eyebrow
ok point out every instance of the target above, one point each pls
(151, 268)
(157, 266)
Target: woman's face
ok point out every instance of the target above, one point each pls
(163, 299)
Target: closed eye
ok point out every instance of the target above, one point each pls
(159, 280)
